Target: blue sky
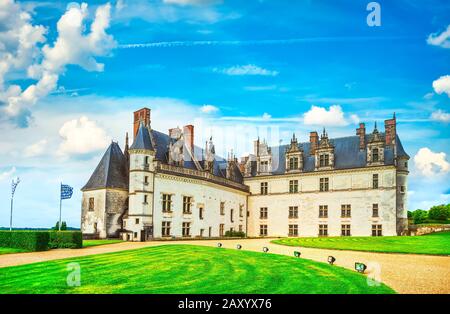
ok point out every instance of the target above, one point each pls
(235, 69)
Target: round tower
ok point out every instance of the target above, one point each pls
(139, 222)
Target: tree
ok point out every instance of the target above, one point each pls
(63, 225)
(419, 216)
(439, 212)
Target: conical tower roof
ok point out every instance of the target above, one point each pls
(143, 139)
(111, 172)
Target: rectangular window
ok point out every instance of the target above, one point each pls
(146, 161)
(324, 160)
(263, 213)
(186, 230)
(377, 231)
(166, 229)
(200, 213)
(240, 228)
(167, 203)
(324, 184)
(375, 181)
(264, 188)
(293, 186)
(293, 163)
(293, 230)
(137, 221)
(145, 199)
(146, 180)
(402, 189)
(264, 166)
(323, 230)
(91, 204)
(187, 203)
(374, 210)
(263, 230)
(221, 230)
(293, 212)
(375, 155)
(346, 211)
(323, 211)
(345, 230)
(241, 210)
(231, 215)
(222, 208)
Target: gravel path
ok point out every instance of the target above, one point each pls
(405, 273)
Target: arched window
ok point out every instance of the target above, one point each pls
(375, 155)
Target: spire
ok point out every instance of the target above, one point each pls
(143, 139)
(375, 130)
(126, 142)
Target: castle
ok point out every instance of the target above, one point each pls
(163, 187)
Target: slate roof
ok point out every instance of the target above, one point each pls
(111, 172)
(347, 155)
(162, 141)
(142, 139)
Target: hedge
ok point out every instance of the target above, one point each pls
(40, 240)
(65, 239)
(234, 234)
(27, 240)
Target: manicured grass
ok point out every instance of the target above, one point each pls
(88, 243)
(186, 269)
(8, 250)
(434, 243)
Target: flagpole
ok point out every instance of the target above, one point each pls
(60, 203)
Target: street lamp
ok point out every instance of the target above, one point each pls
(265, 249)
(297, 253)
(219, 244)
(331, 260)
(13, 190)
(360, 267)
(239, 246)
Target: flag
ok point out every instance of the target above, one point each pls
(66, 191)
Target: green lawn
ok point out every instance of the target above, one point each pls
(88, 243)
(186, 269)
(8, 250)
(434, 243)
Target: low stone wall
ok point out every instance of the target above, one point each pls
(420, 230)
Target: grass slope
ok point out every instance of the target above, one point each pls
(88, 243)
(8, 250)
(186, 269)
(435, 243)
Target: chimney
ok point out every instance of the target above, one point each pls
(141, 115)
(390, 130)
(188, 133)
(314, 140)
(361, 132)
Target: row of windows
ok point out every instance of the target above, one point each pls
(186, 229)
(187, 207)
(346, 211)
(377, 230)
(324, 185)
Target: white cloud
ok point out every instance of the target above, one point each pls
(334, 116)
(266, 116)
(82, 136)
(209, 109)
(440, 116)
(442, 85)
(36, 149)
(72, 46)
(430, 163)
(428, 96)
(441, 40)
(249, 69)
(7, 174)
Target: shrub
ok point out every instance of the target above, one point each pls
(419, 216)
(234, 234)
(27, 240)
(440, 212)
(65, 239)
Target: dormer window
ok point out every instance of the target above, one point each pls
(293, 163)
(264, 166)
(324, 160)
(375, 155)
